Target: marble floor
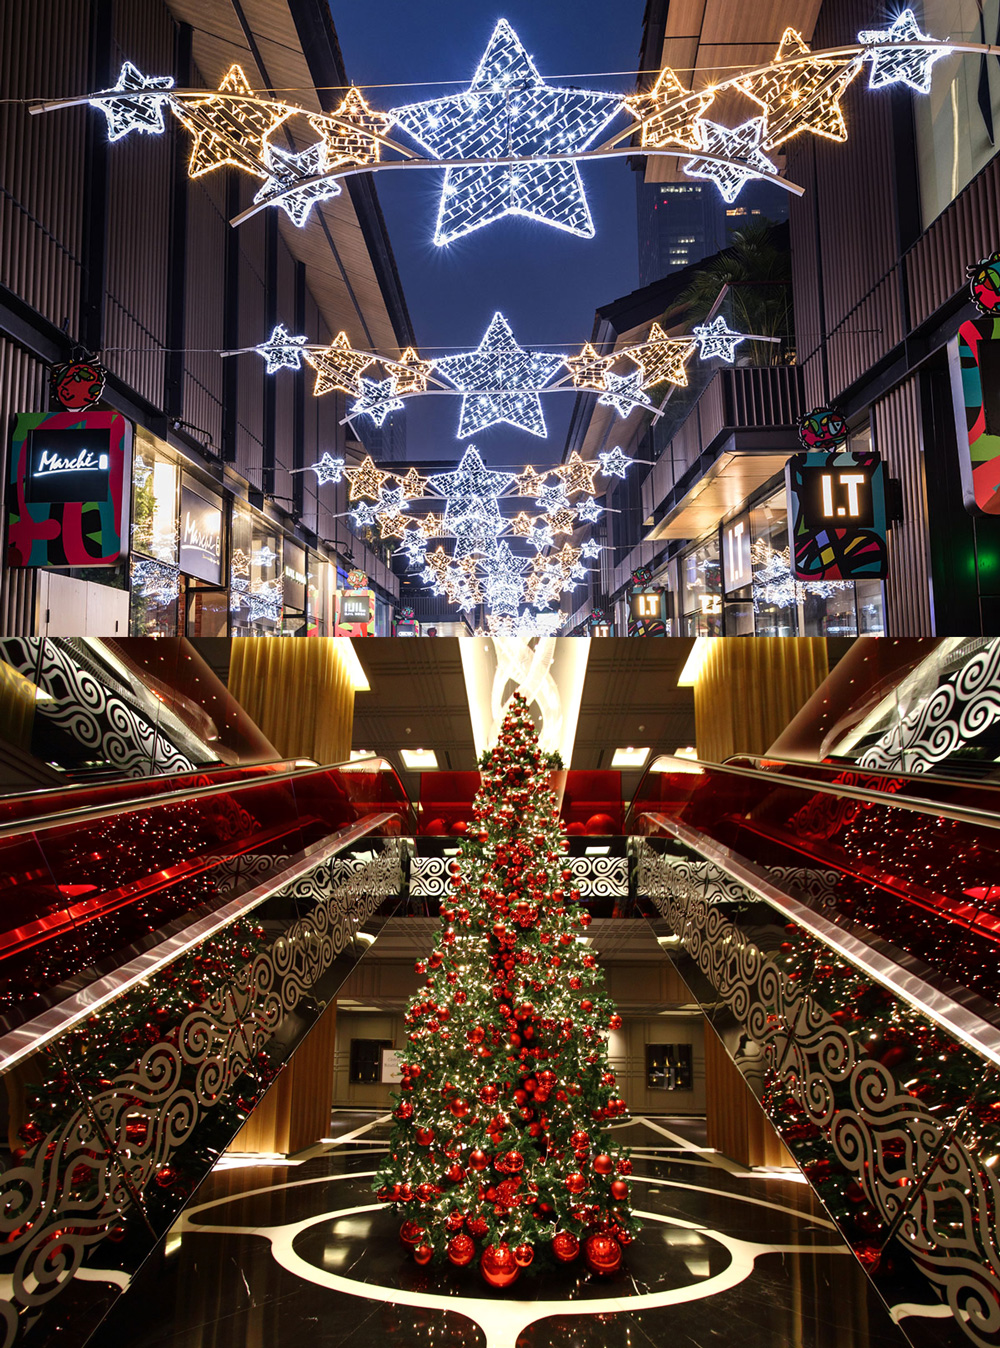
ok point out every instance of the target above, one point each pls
(298, 1253)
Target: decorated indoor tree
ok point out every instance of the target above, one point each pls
(500, 1148)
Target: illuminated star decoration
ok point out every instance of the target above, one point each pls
(498, 363)
(798, 96)
(410, 373)
(670, 114)
(141, 471)
(624, 393)
(338, 366)
(265, 602)
(541, 537)
(327, 469)
(366, 480)
(287, 169)
(662, 358)
(529, 483)
(412, 484)
(590, 511)
(351, 132)
(551, 499)
(282, 351)
(126, 114)
(614, 463)
(900, 65)
(576, 475)
(509, 110)
(392, 526)
(377, 400)
(717, 339)
(503, 585)
(588, 369)
(742, 143)
(471, 489)
(392, 502)
(264, 557)
(591, 548)
(363, 515)
(230, 130)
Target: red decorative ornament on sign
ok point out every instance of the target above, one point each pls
(78, 384)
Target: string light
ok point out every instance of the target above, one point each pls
(509, 110)
(282, 351)
(286, 169)
(717, 339)
(742, 143)
(669, 113)
(327, 469)
(230, 130)
(156, 580)
(662, 358)
(338, 366)
(800, 96)
(377, 400)
(624, 393)
(498, 363)
(614, 463)
(365, 481)
(589, 368)
(126, 114)
(898, 64)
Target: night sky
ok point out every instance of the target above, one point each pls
(547, 282)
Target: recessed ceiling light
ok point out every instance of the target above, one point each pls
(629, 758)
(419, 758)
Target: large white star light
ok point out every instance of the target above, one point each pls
(500, 381)
(717, 339)
(503, 584)
(327, 469)
(509, 111)
(471, 488)
(590, 510)
(893, 64)
(377, 400)
(287, 169)
(740, 142)
(614, 463)
(126, 114)
(282, 351)
(625, 393)
(590, 549)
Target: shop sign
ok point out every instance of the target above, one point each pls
(68, 488)
(355, 613)
(201, 536)
(976, 395)
(837, 516)
(407, 629)
(737, 568)
(294, 576)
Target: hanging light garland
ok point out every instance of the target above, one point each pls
(511, 144)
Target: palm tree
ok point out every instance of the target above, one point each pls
(758, 271)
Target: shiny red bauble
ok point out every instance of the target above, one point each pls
(423, 1254)
(404, 1110)
(513, 1161)
(575, 1182)
(619, 1190)
(625, 1166)
(425, 1192)
(425, 1136)
(565, 1246)
(455, 1173)
(578, 1139)
(603, 1164)
(411, 1233)
(454, 1220)
(459, 1107)
(498, 1266)
(478, 1160)
(476, 1226)
(461, 1250)
(615, 1023)
(603, 1254)
(523, 1255)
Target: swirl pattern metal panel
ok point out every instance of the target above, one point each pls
(595, 877)
(927, 1181)
(118, 1139)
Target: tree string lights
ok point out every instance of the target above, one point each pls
(511, 144)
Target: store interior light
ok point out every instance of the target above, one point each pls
(695, 662)
(357, 676)
(629, 758)
(419, 759)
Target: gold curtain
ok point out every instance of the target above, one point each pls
(735, 1122)
(295, 1112)
(17, 708)
(299, 693)
(749, 688)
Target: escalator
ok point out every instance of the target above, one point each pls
(165, 946)
(840, 929)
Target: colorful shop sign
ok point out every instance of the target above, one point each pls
(68, 495)
(647, 613)
(836, 516)
(355, 613)
(976, 387)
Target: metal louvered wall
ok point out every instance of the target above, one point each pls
(899, 438)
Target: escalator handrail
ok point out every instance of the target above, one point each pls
(832, 766)
(973, 1030)
(34, 1034)
(916, 804)
(86, 813)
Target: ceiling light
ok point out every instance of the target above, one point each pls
(597, 851)
(629, 758)
(700, 652)
(357, 676)
(419, 758)
(681, 761)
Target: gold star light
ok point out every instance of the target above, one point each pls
(230, 130)
(529, 483)
(801, 96)
(365, 481)
(431, 526)
(439, 561)
(239, 563)
(561, 522)
(413, 485)
(669, 113)
(663, 358)
(410, 373)
(392, 526)
(522, 525)
(568, 557)
(350, 131)
(577, 475)
(338, 366)
(588, 368)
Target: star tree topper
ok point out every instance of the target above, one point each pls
(508, 110)
(499, 363)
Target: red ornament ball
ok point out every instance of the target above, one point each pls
(619, 1190)
(603, 1164)
(423, 1254)
(565, 1246)
(603, 1254)
(575, 1182)
(498, 1266)
(461, 1250)
(599, 824)
(411, 1233)
(476, 1226)
(523, 1255)
(478, 1160)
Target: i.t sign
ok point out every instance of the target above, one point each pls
(836, 516)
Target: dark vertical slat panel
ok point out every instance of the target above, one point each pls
(23, 387)
(899, 439)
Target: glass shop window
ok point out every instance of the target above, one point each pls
(366, 1060)
(155, 578)
(256, 592)
(669, 1067)
(701, 581)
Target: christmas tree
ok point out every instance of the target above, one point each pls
(500, 1148)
